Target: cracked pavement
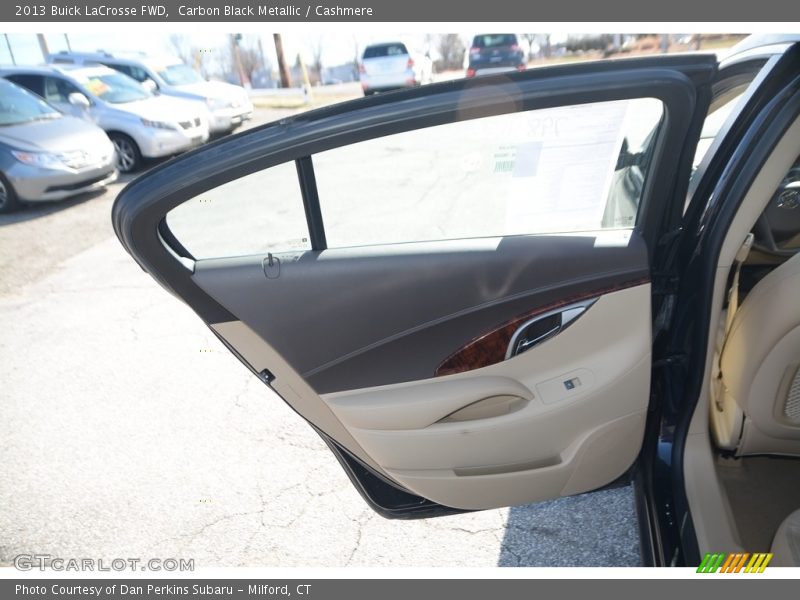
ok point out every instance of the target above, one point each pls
(127, 430)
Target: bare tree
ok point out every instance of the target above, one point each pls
(317, 44)
(430, 41)
(198, 58)
(250, 57)
(451, 51)
(245, 57)
(545, 45)
(356, 58)
(531, 39)
(180, 47)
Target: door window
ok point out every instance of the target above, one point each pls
(566, 169)
(260, 213)
(58, 90)
(34, 83)
(569, 169)
(131, 71)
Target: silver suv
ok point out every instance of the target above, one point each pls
(228, 105)
(139, 123)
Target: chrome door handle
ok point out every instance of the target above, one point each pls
(545, 326)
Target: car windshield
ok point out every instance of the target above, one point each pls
(179, 74)
(494, 40)
(383, 50)
(19, 106)
(114, 88)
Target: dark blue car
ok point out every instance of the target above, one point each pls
(495, 53)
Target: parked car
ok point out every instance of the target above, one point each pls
(390, 66)
(45, 155)
(495, 53)
(228, 105)
(140, 124)
(518, 341)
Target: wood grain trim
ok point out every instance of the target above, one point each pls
(490, 348)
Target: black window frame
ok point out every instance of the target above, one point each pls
(16, 77)
(315, 224)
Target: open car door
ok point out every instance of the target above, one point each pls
(451, 284)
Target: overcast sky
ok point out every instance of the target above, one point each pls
(337, 48)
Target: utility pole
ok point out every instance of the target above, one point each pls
(665, 41)
(43, 46)
(10, 51)
(283, 69)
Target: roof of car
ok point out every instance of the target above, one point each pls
(126, 57)
(56, 69)
(37, 69)
(386, 43)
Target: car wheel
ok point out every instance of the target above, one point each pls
(129, 158)
(8, 197)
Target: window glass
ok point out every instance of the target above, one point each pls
(179, 74)
(34, 83)
(566, 169)
(711, 126)
(58, 90)
(494, 41)
(18, 106)
(113, 87)
(131, 71)
(138, 74)
(259, 213)
(383, 50)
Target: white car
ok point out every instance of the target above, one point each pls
(139, 123)
(390, 65)
(228, 105)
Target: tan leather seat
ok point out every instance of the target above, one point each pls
(756, 399)
(786, 545)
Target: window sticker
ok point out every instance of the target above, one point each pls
(565, 172)
(97, 86)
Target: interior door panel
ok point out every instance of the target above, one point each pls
(547, 444)
(388, 314)
(465, 374)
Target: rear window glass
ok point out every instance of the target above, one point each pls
(494, 40)
(565, 169)
(259, 213)
(382, 50)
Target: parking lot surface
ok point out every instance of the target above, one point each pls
(127, 430)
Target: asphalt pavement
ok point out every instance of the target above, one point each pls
(127, 430)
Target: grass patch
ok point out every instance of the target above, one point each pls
(294, 102)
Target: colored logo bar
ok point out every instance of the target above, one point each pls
(743, 562)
